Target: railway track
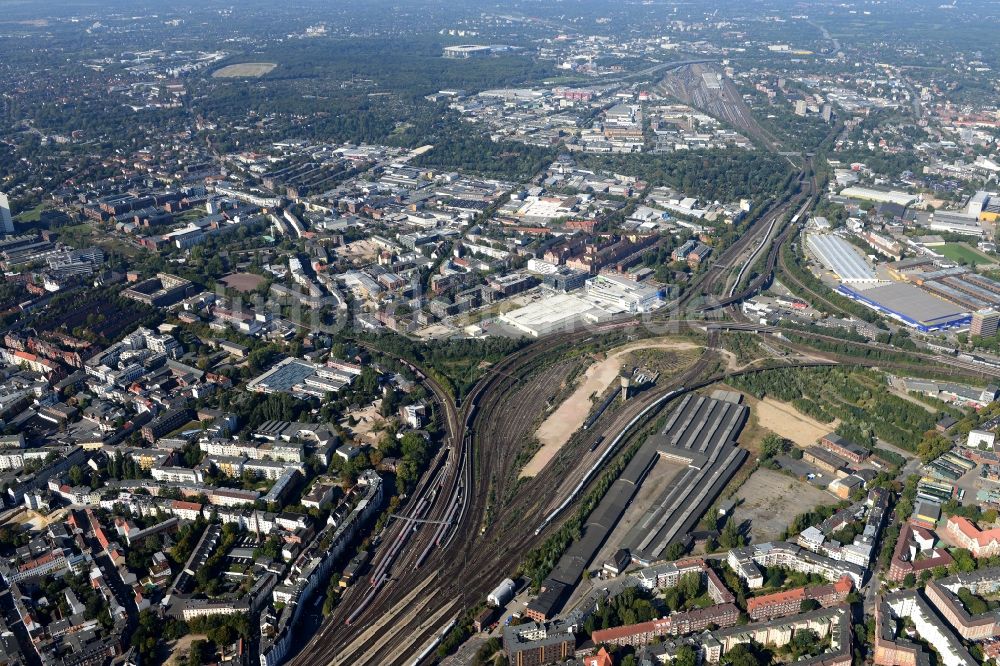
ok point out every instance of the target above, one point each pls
(444, 493)
(499, 547)
(494, 407)
(480, 517)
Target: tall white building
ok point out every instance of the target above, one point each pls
(6, 221)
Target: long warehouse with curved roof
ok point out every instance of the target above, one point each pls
(842, 258)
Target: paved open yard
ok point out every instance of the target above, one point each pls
(243, 282)
(770, 500)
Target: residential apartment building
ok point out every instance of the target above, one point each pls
(981, 543)
(789, 602)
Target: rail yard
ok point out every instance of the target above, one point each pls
(474, 512)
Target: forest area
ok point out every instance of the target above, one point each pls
(713, 175)
(857, 398)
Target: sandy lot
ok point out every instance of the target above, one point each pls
(180, 648)
(770, 500)
(788, 422)
(368, 420)
(243, 282)
(244, 69)
(434, 331)
(560, 425)
(359, 249)
(416, 152)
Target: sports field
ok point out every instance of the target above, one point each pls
(244, 69)
(962, 252)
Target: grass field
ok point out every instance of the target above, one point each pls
(83, 235)
(964, 253)
(34, 214)
(244, 69)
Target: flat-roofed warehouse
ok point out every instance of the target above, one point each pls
(554, 313)
(842, 258)
(702, 433)
(881, 196)
(911, 305)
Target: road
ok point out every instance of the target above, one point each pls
(426, 574)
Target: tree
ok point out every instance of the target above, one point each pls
(196, 654)
(689, 585)
(390, 402)
(771, 446)
(808, 605)
(731, 536)
(775, 578)
(686, 656)
(743, 655)
(972, 603)
(674, 551)
(75, 475)
(222, 636)
(804, 641)
(964, 562)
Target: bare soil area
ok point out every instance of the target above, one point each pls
(569, 416)
(243, 282)
(786, 421)
(770, 500)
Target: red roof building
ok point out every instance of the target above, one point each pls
(789, 602)
(981, 543)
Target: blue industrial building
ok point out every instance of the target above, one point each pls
(911, 305)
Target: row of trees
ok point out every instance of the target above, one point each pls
(455, 363)
(465, 151)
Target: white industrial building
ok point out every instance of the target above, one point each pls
(955, 223)
(6, 221)
(559, 312)
(619, 294)
(842, 258)
(879, 196)
(981, 439)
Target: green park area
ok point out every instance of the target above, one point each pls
(963, 253)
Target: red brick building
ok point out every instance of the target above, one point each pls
(844, 447)
(643, 633)
(915, 553)
(789, 602)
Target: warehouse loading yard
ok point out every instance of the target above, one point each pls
(769, 500)
(702, 433)
(699, 434)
